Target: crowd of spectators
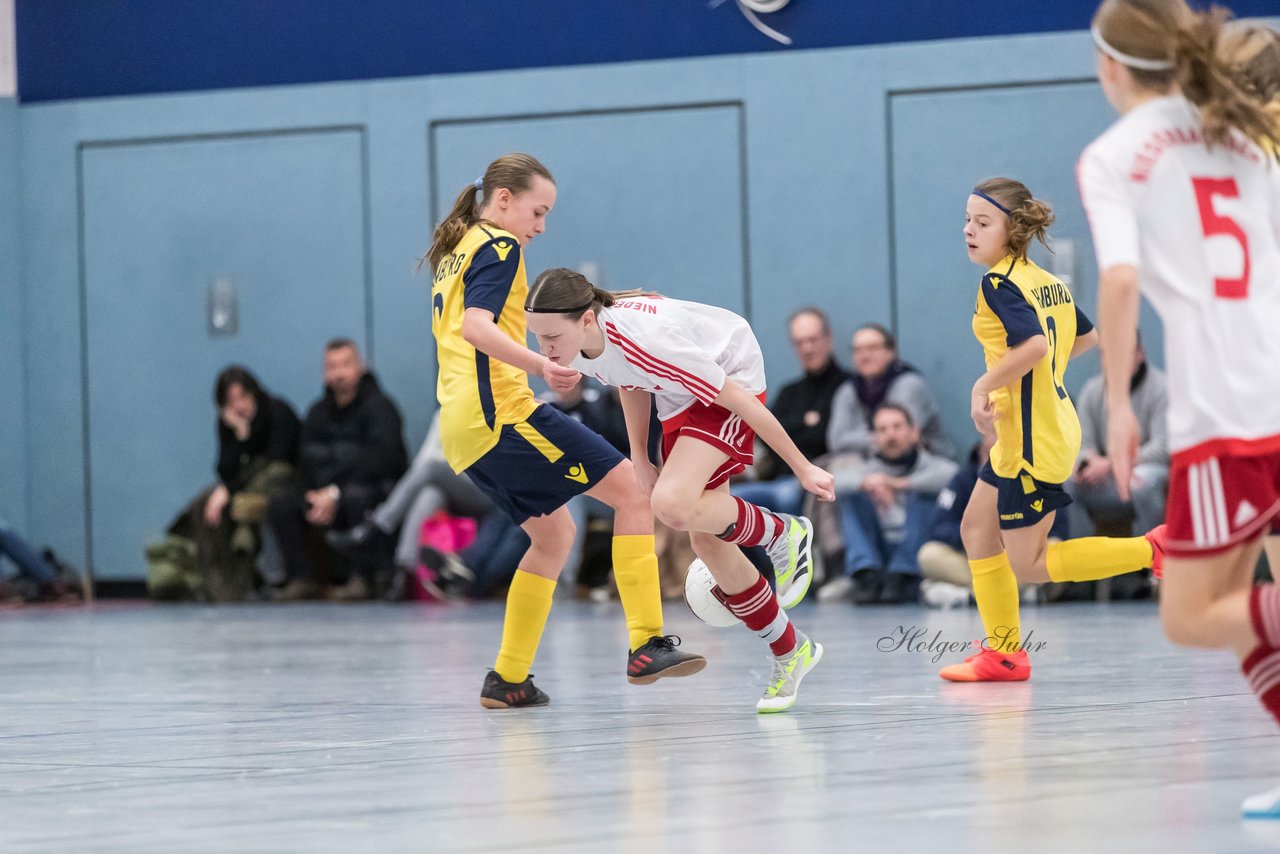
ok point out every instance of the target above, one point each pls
(330, 506)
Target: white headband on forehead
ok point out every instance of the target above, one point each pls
(1127, 60)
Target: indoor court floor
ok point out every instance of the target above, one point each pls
(137, 728)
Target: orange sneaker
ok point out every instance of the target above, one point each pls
(1156, 537)
(990, 666)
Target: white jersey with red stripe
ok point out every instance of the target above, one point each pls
(680, 351)
(1202, 226)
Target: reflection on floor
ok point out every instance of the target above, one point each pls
(357, 728)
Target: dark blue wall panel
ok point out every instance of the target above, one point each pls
(73, 49)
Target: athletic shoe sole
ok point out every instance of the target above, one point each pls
(684, 668)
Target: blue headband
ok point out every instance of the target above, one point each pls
(983, 195)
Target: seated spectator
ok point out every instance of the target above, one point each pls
(1097, 505)
(40, 577)
(944, 567)
(803, 407)
(429, 486)
(220, 529)
(886, 506)
(351, 455)
(879, 377)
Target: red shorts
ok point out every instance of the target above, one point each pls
(1218, 502)
(719, 428)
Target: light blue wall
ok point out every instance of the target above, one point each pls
(13, 468)
(760, 182)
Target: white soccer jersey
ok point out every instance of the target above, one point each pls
(680, 351)
(1203, 228)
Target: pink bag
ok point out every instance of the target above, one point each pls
(445, 533)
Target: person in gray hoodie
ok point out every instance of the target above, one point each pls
(1093, 486)
(886, 506)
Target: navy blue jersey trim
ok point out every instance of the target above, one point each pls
(484, 384)
(1028, 452)
(1011, 308)
(1083, 324)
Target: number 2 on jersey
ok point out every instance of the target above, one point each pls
(1215, 225)
(1052, 329)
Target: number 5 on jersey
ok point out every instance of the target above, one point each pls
(1215, 225)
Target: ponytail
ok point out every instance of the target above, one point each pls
(1221, 93)
(515, 172)
(1164, 42)
(464, 214)
(1029, 217)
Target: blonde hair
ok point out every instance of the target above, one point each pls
(560, 290)
(1029, 218)
(513, 171)
(1253, 52)
(1169, 31)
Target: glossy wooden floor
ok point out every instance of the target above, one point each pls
(357, 728)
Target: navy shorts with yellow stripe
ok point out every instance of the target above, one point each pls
(1023, 501)
(542, 462)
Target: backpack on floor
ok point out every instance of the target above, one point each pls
(173, 574)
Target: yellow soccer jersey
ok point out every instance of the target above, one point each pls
(1037, 430)
(477, 394)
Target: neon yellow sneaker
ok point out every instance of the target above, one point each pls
(788, 670)
(792, 557)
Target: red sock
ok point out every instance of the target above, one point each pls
(1262, 667)
(755, 526)
(757, 606)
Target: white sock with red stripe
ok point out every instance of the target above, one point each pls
(757, 606)
(755, 526)
(1262, 666)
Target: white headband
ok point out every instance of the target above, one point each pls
(1124, 58)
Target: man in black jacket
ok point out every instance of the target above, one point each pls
(351, 454)
(803, 408)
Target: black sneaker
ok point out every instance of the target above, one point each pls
(498, 693)
(357, 541)
(659, 658)
(867, 584)
(451, 577)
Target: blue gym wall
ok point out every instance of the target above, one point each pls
(760, 181)
(13, 469)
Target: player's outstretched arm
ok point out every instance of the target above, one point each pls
(735, 398)
(479, 331)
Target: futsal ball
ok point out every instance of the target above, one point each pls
(701, 601)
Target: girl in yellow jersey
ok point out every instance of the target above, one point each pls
(530, 458)
(1029, 327)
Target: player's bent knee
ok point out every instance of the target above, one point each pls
(670, 508)
(979, 539)
(553, 537)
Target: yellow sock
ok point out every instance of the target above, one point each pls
(635, 568)
(1091, 558)
(995, 588)
(528, 604)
